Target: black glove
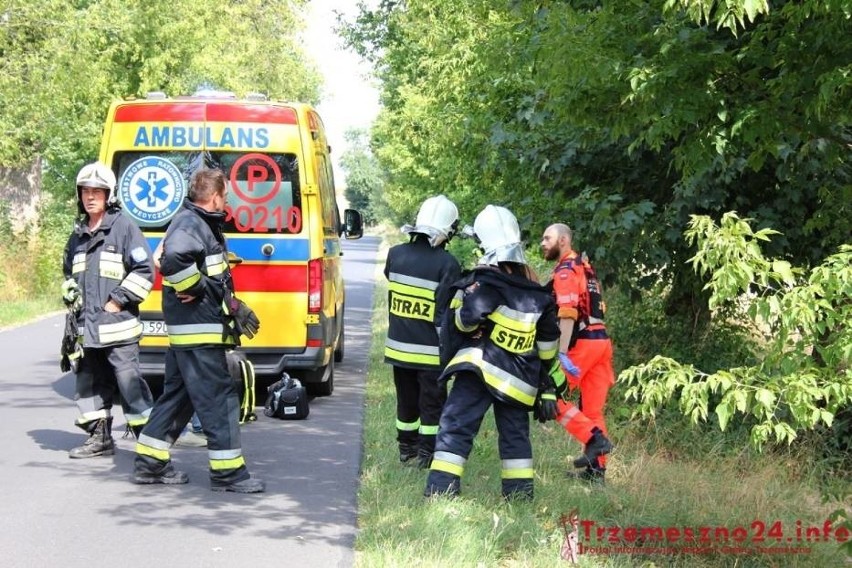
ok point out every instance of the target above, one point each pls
(544, 409)
(71, 350)
(245, 320)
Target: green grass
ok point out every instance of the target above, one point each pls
(648, 485)
(15, 312)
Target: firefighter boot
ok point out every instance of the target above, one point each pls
(424, 458)
(425, 451)
(598, 445)
(249, 485)
(99, 443)
(407, 451)
(593, 475)
(165, 474)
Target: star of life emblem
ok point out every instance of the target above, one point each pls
(151, 189)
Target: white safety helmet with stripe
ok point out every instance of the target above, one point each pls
(437, 218)
(96, 174)
(499, 236)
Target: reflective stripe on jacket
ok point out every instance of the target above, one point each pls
(113, 262)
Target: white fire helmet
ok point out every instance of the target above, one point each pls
(99, 175)
(438, 219)
(499, 236)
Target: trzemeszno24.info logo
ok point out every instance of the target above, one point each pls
(584, 536)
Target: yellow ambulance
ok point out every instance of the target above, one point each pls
(283, 226)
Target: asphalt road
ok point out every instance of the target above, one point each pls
(55, 511)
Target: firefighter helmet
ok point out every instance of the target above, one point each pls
(499, 236)
(96, 175)
(437, 218)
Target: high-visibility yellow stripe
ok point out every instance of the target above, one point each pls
(447, 467)
(412, 347)
(518, 468)
(233, 463)
(136, 419)
(226, 459)
(497, 378)
(396, 277)
(86, 417)
(412, 357)
(411, 291)
(515, 320)
(112, 332)
(463, 328)
(448, 462)
(199, 339)
(78, 263)
(547, 349)
(138, 285)
(215, 264)
(429, 430)
(408, 426)
(157, 454)
(183, 279)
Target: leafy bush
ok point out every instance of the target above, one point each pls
(803, 378)
(32, 266)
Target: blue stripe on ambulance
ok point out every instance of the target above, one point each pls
(286, 250)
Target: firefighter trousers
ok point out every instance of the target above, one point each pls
(103, 374)
(467, 403)
(419, 401)
(196, 379)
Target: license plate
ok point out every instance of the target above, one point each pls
(153, 327)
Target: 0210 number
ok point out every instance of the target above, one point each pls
(261, 219)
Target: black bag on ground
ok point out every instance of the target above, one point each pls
(242, 371)
(287, 400)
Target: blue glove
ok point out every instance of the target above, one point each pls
(568, 365)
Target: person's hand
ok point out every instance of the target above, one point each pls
(158, 254)
(568, 365)
(245, 320)
(112, 307)
(544, 408)
(71, 294)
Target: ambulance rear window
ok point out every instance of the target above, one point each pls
(264, 195)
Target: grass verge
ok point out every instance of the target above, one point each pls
(727, 492)
(16, 312)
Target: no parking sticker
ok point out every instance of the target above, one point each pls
(256, 180)
(151, 190)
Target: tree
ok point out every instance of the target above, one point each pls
(622, 118)
(364, 186)
(64, 62)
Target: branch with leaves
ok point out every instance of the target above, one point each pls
(803, 378)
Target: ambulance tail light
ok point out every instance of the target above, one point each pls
(314, 286)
